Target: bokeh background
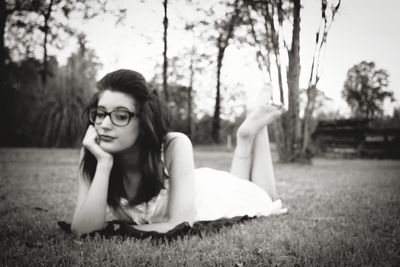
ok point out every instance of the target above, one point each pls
(333, 64)
(327, 60)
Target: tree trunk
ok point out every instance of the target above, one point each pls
(165, 65)
(269, 18)
(3, 19)
(280, 80)
(189, 120)
(190, 90)
(222, 44)
(46, 33)
(312, 91)
(309, 110)
(3, 76)
(216, 123)
(292, 120)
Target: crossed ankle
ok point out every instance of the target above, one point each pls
(245, 134)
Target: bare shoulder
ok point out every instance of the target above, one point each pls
(176, 138)
(177, 145)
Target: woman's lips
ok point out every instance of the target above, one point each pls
(106, 138)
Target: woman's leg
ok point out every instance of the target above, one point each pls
(262, 170)
(242, 157)
(248, 157)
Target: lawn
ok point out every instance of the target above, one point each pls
(341, 212)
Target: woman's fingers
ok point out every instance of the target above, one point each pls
(91, 142)
(90, 136)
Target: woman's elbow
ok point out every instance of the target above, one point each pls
(76, 229)
(80, 227)
(187, 218)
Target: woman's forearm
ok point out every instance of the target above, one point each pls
(90, 216)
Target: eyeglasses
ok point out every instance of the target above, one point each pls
(117, 117)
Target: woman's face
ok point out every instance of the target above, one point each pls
(112, 138)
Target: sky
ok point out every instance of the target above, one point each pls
(363, 30)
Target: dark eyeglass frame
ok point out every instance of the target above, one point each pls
(109, 114)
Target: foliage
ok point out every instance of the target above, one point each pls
(232, 111)
(203, 126)
(223, 18)
(22, 97)
(364, 91)
(269, 23)
(392, 121)
(26, 29)
(26, 23)
(181, 76)
(396, 117)
(58, 121)
(51, 115)
(225, 28)
(328, 115)
(179, 106)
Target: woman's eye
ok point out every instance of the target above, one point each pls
(100, 114)
(121, 115)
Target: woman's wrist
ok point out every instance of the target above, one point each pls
(106, 162)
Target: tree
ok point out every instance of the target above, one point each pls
(221, 19)
(7, 9)
(225, 29)
(58, 121)
(267, 41)
(270, 22)
(364, 91)
(395, 119)
(22, 23)
(196, 66)
(49, 22)
(312, 93)
(180, 88)
(22, 100)
(292, 118)
(165, 40)
(51, 117)
(273, 15)
(179, 104)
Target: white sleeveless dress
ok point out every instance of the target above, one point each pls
(219, 194)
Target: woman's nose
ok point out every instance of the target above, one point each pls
(106, 123)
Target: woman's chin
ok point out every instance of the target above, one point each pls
(113, 148)
(109, 148)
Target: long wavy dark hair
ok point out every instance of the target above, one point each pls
(154, 121)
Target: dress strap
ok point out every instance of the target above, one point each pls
(165, 170)
(162, 153)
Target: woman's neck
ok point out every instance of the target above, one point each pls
(129, 159)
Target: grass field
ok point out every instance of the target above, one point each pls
(341, 213)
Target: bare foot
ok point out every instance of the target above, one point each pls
(264, 96)
(259, 117)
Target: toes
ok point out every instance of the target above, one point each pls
(264, 95)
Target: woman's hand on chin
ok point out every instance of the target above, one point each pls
(90, 141)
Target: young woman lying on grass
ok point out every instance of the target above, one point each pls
(133, 166)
